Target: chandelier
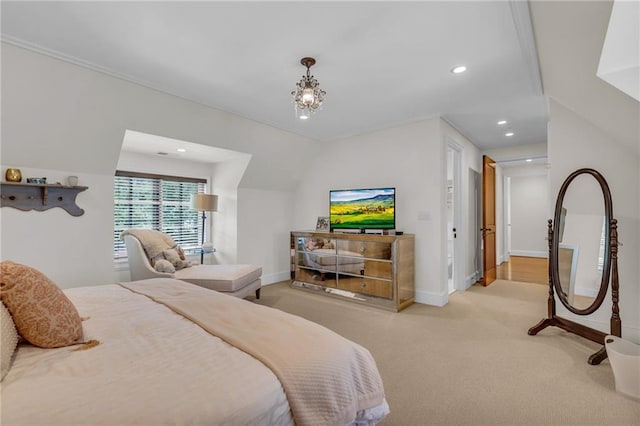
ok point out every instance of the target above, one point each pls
(308, 96)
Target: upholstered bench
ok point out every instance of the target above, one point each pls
(238, 280)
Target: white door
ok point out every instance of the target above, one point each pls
(453, 229)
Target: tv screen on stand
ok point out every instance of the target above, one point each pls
(362, 209)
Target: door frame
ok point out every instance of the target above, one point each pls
(488, 225)
(458, 221)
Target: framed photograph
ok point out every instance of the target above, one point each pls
(323, 224)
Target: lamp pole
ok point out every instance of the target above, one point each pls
(204, 203)
(204, 216)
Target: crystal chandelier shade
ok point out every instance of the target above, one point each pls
(307, 97)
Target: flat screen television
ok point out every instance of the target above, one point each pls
(362, 209)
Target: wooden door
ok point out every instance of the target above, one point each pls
(488, 220)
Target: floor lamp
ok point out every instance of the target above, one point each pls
(204, 203)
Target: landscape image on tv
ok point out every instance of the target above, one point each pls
(362, 208)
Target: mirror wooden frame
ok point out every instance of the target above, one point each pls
(609, 270)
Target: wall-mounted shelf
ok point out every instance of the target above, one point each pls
(31, 196)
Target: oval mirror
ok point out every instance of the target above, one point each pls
(581, 250)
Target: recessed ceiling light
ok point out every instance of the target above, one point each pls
(509, 134)
(502, 122)
(528, 160)
(182, 150)
(459, 69)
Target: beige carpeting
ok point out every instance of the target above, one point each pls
(472, 362)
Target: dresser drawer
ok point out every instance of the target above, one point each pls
(367, 249)
(316, 277)
(364, 285)
(378, 269)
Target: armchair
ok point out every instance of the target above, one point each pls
(236, 280)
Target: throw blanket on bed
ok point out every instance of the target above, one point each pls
(327, 378)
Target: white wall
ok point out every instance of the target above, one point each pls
(518, 152)
(264, 212)
(528, 201)
(409, 158)
(576, 143)
(65, 119)
(64, 247)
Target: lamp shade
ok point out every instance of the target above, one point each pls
(204, 202)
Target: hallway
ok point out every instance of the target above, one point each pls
(524, 269)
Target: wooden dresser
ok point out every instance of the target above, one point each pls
(376, 270)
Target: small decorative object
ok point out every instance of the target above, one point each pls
(72, 180)
(323, 224)
(13, 175)
(39, 181)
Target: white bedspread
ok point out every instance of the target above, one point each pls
(328, 379)
(152, 367)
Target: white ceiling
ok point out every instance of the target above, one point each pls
(382, 64)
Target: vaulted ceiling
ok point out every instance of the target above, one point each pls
(382, 64)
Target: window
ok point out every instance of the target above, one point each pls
(155, 202)
(603, 237)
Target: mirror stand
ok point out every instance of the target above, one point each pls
(596, 336)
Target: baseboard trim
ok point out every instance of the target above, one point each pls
(276, 278)
(430, 298)
(587, 292)
(630, 333)
(471, 280)
(529, 253)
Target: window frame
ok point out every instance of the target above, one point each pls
(119, 251)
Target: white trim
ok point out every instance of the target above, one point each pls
(529, 253)
(471, 279)
(629, 332)
(80, 62)
(506, 219)
(121, 264)
(524, 30)
(430, 298)
(458, 219)
(276, 277)
(587, 292)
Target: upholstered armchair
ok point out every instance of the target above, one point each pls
(239, 280)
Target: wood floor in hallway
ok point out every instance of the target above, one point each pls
(525, 269)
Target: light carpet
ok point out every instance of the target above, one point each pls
(472, 362)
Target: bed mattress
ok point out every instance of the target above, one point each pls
(152, 366)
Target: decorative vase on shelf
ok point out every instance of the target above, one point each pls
(13, 175)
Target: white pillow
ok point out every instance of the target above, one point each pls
(9, 339)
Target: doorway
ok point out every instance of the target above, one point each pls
(454, 231)
(475, 223)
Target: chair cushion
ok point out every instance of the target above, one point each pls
(225, 278)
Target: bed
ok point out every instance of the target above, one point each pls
(155, 361)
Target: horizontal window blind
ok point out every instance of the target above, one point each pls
(156, 202)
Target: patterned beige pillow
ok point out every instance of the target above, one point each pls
(8, 340)
(42, 313)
